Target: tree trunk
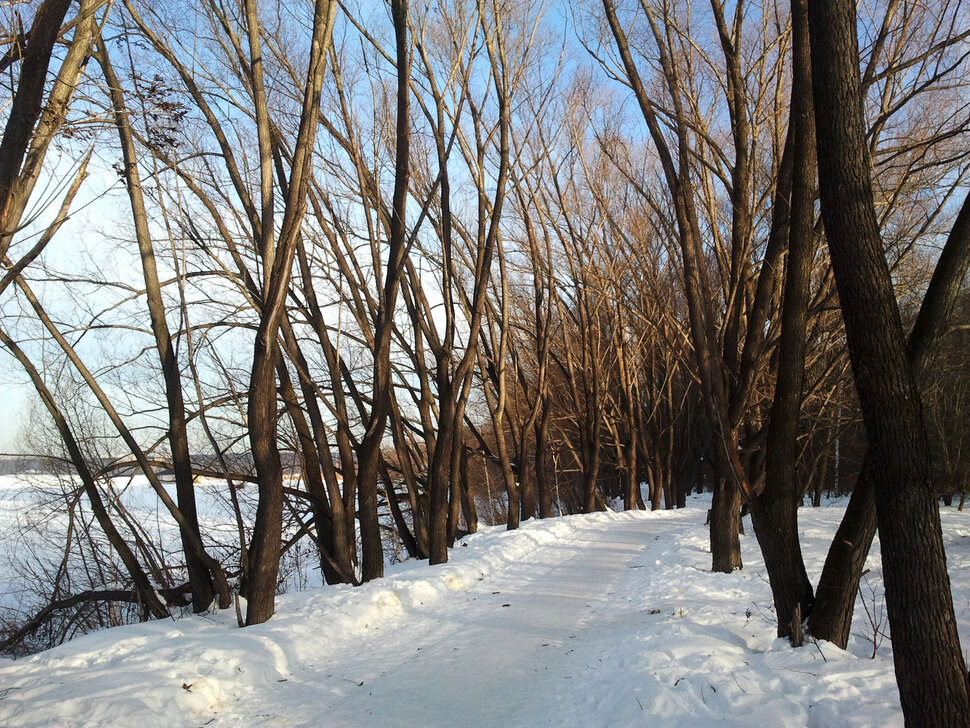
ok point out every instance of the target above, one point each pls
(831, 617)
(200, 579)
(439, 475)
(930, 669)
(277, 256)
(725, 527)
(527, 480)
(467, 497)
(25, 109)
(264, 548)
(774, 514)
(543, 486)
(369, 452)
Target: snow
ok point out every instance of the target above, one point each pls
(610, 619)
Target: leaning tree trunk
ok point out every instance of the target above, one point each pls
(141, 584)
(25, 109)
(277, 256)
(930, 669)
(200, 579)
(774, 514)
(835, 597)
(369, 452)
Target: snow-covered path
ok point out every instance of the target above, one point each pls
(500, 636)
(496, 656)
(610, 619)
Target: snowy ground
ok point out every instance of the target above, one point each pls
(600, 620)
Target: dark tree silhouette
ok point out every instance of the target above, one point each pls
(930, 669)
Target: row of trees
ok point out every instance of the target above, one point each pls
(402, 250)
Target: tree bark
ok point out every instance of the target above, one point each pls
(930, 669)
(725, 527)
